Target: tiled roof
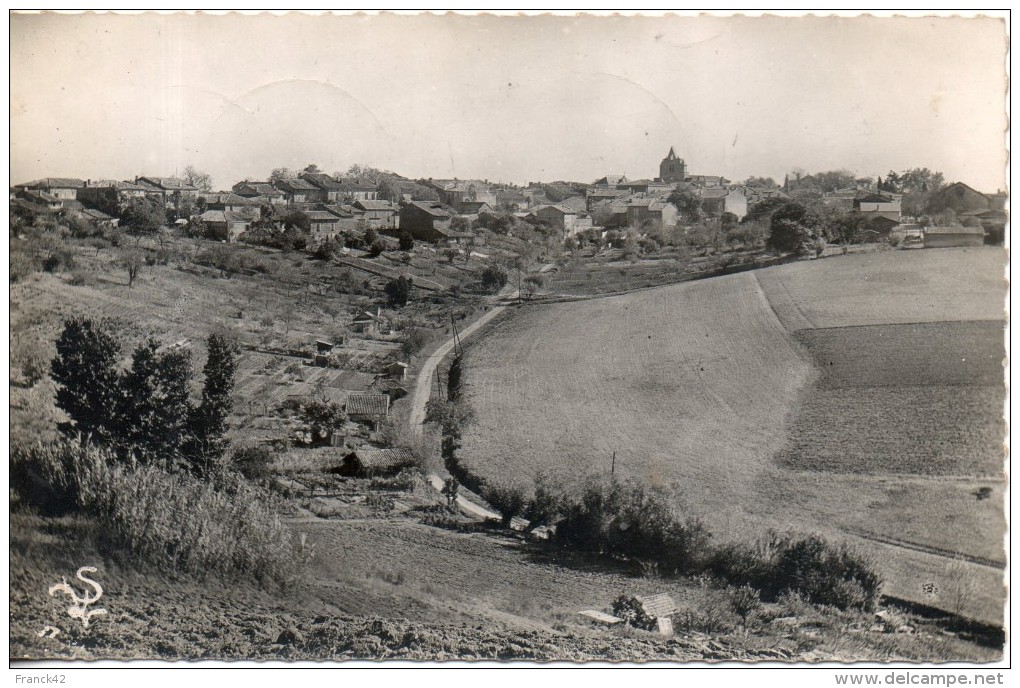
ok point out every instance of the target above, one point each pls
(320, 216)
(259, 188)
(230, 199)
(357, 186)
(434, 209)
(375, 205)
(382, 458)
(296, 185)
(213, 216)
(113, 183)
(368, 405)
(94, 214)
(56, 183)
(322, 180)
(167, 183)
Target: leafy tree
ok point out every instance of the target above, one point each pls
(789, 229)
(494, 278)
(406, 241)
(143, 217)
(835, 179)
(370, 236)
(208, 422)
(532, 283)
(311, 169)
(459, 223)
(763, 209)
(326, 250)
(85, 371)
(280, 174)
(132, 260)
(299, 220)
(322, 418)
(376, 249)
(398, 291)
(198, 179)
(688, 203)
(760, 182)
(508, 497)
(919, 179)
(154, 407)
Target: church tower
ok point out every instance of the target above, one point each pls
(672, 168)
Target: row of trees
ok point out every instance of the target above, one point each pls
(146, 411)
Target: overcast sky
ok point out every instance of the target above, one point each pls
(505, 98)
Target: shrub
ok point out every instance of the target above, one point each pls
(415, 339)
(821, 572)
(398, 291)
(22, 265)
(253, 462)
(633, 613)
(828, 574)
(494, 278)
(508, 497)
(629, 520)
(745, 602)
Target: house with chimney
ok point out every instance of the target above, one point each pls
(379, 214)
(260, 189)
(170, 191)
(60, 188)
(299, 191)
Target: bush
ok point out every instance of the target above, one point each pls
(629, 520)
(821, 572)
(509, 498)
(253, 462)
(745, 602)
(633, 613)
(494, 278)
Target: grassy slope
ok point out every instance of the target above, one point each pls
(693, 383)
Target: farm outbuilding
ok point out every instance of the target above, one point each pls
(368, 408)
(946, 237)
(370, 462)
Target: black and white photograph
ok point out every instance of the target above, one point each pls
(503, 339)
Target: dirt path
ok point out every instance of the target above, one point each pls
(423, 385)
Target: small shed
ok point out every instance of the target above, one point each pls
(397, 370)
(369, 322)
(657, 606)
(369, 461)
(322, 351)
(368, 408)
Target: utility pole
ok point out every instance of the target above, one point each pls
(612, 471)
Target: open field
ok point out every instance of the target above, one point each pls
(915, 398)
(700, 384)
(654, 376)
(889, 287)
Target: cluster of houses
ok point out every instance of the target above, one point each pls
(342, 206)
